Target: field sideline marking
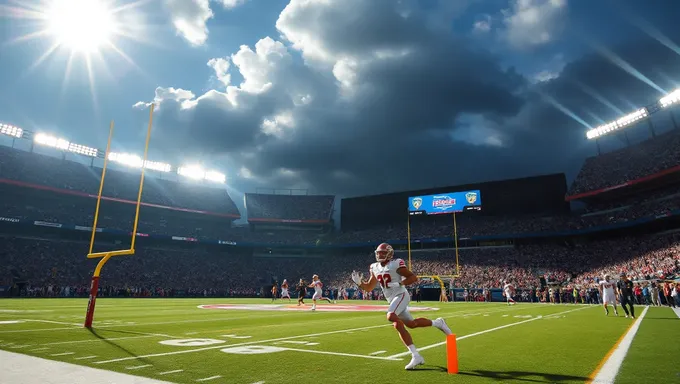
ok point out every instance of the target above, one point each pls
(609, 367)
(263, 341)
(487, 331)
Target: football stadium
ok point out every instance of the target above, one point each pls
(116, 267)
(192, 299)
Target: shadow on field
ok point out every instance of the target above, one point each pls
(109, 342)
(531, 377)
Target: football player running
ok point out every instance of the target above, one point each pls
(392, 275)
(284, 290)
(318, 291)
(509, 292)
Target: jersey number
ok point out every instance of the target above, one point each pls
(384, 279)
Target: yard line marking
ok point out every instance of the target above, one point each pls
(53, 322)
(22, 346)
(485, 331)
(38, 349)
(63, 354)
(105, 339)
(264, 341)
(239, 344)
(169, 372)
(343, 354)
(209, 378)
(677, 311)
(85, 357)
(139, 366)
(191, 333)
(259, 382)
(609, 367)
(377, 353)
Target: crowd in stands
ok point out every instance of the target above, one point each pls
(289, 207)
(42, 263)
(614, 168)
(48, 171)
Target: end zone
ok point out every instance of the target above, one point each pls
(319, 308)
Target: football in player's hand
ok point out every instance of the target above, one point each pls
(357, 277)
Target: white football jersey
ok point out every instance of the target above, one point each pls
(317, 286)
(386, 274)
(507, 288)
(607, 287)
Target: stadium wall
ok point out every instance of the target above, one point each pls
(532, 195)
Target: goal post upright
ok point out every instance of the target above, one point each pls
(106, 255)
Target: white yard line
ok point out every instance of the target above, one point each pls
(107, 339)
(376, 353)
(53, 322)
(486, 331)
(63, 354)
(342, 354)
(608, 371)
(269, 340)
(677, 311)
(237, 345)
(209, 378)
(19, 368)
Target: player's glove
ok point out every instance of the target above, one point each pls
(357, 277)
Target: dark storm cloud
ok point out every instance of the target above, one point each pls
(388, 94)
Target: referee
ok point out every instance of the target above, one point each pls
(625, 288)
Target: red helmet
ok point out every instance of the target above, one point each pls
(384, 253)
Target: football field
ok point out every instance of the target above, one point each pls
(251, 341)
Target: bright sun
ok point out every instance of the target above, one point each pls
(83, 26)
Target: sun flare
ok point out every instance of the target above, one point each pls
(83, 26)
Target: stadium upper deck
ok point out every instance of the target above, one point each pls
(289, 208)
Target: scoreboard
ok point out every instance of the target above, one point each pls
(443, 203)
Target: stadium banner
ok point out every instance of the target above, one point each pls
(289, 221)
(443, 203)
(10, 219)
(87, 229)
(47, 224)
(181, 238)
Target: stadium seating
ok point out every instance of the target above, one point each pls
(630, 163)
(289, 207)
(47, 171)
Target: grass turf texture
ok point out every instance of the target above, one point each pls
(536, 343)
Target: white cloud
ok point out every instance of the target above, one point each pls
(479, 131)
(189, 18)
(483, 25)
(552, 70)
(228, 4)
(530, 23)
(221, 68)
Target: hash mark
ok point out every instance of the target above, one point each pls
(39, 349)
(169, 372)
(85, 357)
(63, 354)
(209, 378)
(138, 366)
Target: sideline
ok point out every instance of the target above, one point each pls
(609, 367)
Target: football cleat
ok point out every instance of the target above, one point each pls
(441, 325)
(416, 360)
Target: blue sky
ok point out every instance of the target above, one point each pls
(348, 97)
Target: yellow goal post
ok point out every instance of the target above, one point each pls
(455, 243)
(106, 255)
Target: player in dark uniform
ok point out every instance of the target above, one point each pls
(625, 288)
(302, 291)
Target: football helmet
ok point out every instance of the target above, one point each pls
(384, 253)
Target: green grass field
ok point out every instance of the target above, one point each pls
(528, 343)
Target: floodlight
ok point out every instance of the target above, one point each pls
(620, 123)
(192, 172)
(135, 161)
(215, 176)
(82, 150)
(672, 98)
(51, 141)
(11, 130)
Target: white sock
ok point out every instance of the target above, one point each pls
(413, 349)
